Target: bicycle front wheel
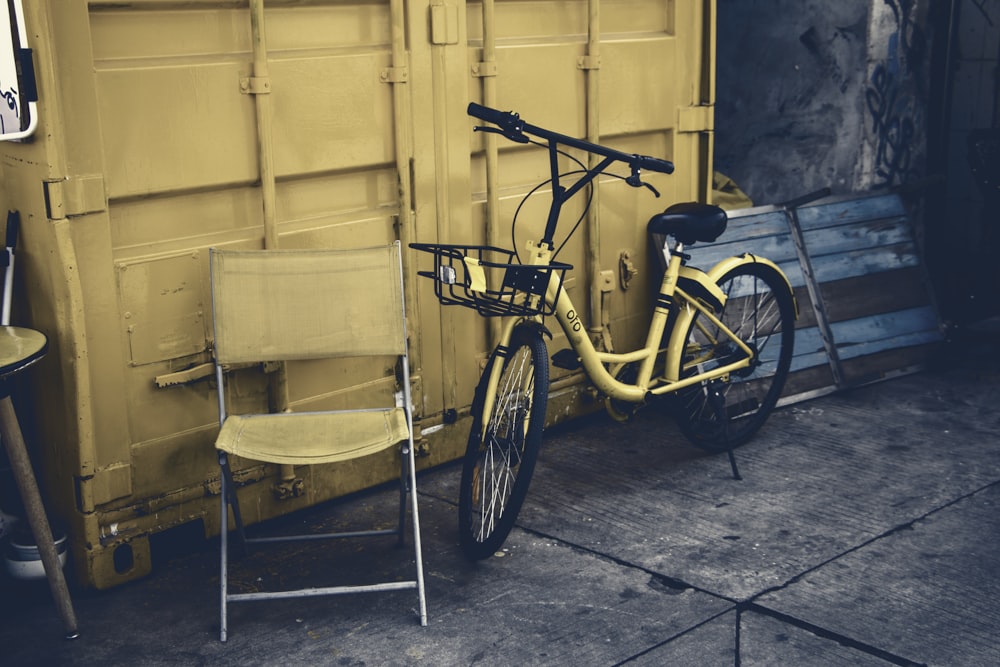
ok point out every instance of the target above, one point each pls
(718, 415)
(500, 459)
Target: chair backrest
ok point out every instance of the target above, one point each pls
(279, 305)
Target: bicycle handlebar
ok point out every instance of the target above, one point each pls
(514, 128)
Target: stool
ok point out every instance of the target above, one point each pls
(19, 348)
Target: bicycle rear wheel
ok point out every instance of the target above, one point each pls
(719, 415)
(500, 459)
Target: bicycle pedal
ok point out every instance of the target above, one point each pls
(566, 359)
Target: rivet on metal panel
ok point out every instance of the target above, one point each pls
(588, 62)
(488, 68)
(394, 75)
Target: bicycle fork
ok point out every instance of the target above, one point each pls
(495, 369)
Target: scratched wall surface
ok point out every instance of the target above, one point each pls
(814, 94)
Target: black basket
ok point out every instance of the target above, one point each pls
(521, 292)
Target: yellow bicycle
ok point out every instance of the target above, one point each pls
(718, 348)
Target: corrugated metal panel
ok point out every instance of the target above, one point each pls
(161, 137)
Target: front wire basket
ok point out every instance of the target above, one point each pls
(463, 275)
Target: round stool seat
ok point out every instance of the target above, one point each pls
(19, 348)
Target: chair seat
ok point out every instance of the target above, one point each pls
(305, 438)
(331, 304)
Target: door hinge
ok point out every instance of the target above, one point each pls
(74, 195)
(444, 23)
(699, 118)
(105, 485)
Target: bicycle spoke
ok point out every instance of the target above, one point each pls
(758, 310)
(497, 482)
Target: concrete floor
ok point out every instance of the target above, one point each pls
(864, 532)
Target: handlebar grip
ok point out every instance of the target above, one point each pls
(498, 118)
(509, 123)
(656, 164)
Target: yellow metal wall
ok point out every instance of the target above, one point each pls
(171, 127)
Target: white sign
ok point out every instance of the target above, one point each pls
(18, 116)
(10, 98)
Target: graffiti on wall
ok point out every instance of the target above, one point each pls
(981, 6)
(894, 91)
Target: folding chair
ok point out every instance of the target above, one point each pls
(288, 305)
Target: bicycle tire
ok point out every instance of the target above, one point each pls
(497, 468)
(720, 415)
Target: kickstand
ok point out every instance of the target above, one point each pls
(718, 401)
(732, 462)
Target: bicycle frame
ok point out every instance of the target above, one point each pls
(595, 363)
(688, 290)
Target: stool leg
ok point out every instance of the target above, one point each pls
(17, 453)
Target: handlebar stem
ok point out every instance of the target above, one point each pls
(512, 126)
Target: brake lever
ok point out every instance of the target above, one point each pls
(519, 137)
(636, 182)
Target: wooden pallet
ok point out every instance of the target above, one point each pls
(866, 310)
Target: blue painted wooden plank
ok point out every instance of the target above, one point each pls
(755, 225)
(858, 236)
(852, 210)
(808, 350)
(775, 248)
(884, 326)
(707, 257)
(808, 340)
(801, 362)
(896, 342)
(864, 262)
(793, 271)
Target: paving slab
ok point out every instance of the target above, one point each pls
(926, 593)
(863, 532)
(539, 603)
(821, 478)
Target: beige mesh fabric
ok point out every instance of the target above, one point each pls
(276, 305)
(306, 438)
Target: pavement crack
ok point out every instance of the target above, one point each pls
(898, 528)
(675, 637)
(661, 579)
(826, 633)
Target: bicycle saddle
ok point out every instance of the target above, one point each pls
(689, 222)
